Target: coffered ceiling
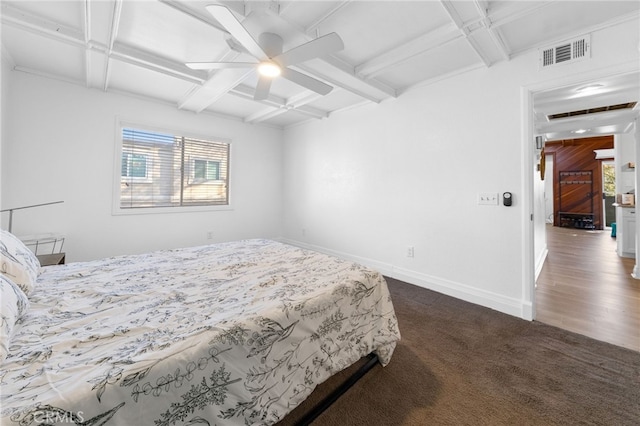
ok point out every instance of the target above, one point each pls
(140, 47)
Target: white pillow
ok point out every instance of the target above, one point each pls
(13, 304)
(17, 262)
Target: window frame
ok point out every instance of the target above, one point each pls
(118, 178)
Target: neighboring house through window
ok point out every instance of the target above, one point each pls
(206, 170)
(160, 169)
(134, 165)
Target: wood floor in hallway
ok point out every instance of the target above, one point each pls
(585, 287)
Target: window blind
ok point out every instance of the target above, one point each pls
(166, 170)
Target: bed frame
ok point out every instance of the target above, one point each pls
(327, 401)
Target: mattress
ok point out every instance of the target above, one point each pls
(232, 333)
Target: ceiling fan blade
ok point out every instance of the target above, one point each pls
(319, 47)
(226, 18)
(219, 65)
(262, 89)
(306, 81)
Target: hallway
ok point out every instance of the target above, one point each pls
(585, 287)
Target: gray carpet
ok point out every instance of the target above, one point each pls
(462, 364)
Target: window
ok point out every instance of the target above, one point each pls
(134, 165)
(206, 170)
(166, 170)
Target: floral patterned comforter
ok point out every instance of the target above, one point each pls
(231, 333)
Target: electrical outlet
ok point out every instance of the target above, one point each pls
(488, 199)
(209, 235)
(410, 251)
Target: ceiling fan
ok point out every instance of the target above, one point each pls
(268, 51)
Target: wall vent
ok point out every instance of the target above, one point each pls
(569, 51)
(628, 105)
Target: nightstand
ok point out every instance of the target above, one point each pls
(51, 259)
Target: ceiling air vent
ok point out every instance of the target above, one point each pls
(569, 51)
(628, 105)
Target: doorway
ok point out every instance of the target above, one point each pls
(537, 99)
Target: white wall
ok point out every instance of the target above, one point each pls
(60, 146)
(5, 86)
(625, 153)
(368, 183)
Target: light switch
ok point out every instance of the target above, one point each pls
(488, 199)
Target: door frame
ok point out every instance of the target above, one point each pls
(528, 168)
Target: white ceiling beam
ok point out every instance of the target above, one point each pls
(303, 98)
(352, 72)
(135, 56)
(512, 11)
(55, 31)
(270, 6)
(315, 24)
(423, 43)
(277, 105)
(309, 111)
(498, 41)
(435, 39)
(264, 114)
(113, 33)
(27, 21)
(122, 92)
(96, 51)
(202, 17)
(7, 55)
(496, 36)
(349, 72)
(441, 77)
(272, 112)
(466, 30)
(49, 75)
(86, 9)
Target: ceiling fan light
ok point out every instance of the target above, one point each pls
(269, 69)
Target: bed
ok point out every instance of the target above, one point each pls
(232, 333)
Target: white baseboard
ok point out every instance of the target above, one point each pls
(498, 302)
